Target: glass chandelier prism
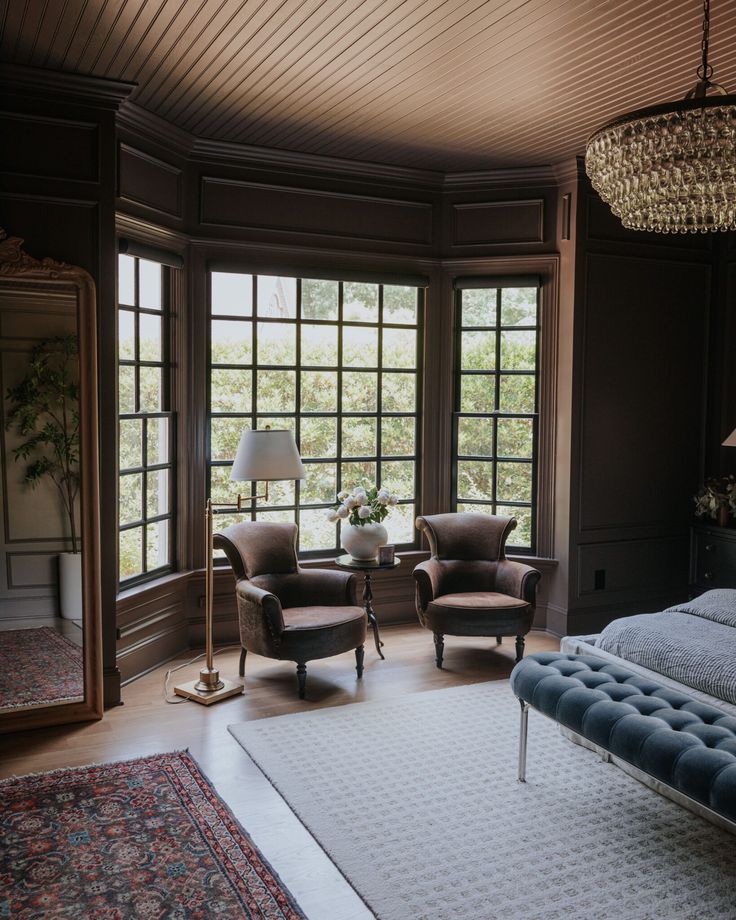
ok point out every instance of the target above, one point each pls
(671, 168)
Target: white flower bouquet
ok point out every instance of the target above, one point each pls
(362, 506)
(718, 492)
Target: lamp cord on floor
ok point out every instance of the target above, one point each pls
(180, 699)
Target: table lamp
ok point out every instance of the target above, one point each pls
(264, 455)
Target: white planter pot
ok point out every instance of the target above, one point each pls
(363, 541)
(70, 586)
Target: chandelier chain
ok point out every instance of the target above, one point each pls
(705, 71)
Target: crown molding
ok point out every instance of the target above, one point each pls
(135, 118)
(572, 170)
(73, 87)
(509, 177)
(209, 150)
(147, 232)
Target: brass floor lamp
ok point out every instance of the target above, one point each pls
(263, 455)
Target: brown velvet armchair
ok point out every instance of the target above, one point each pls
(468, 587)
(286, 612)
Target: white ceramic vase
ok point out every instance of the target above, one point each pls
(362, 541)
(70, 585)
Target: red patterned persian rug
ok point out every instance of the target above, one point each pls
(147, 839)
(51, 665)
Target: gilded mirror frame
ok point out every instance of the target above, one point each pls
(19, 268)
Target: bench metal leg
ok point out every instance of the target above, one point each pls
(522, 740)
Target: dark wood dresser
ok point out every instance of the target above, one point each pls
(712, 557)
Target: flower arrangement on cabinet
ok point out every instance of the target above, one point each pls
(362, 506)
(717, 498)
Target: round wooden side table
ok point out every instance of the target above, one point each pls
(367, 567)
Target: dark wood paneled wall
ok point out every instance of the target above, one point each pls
(638, 308)
(57, 191)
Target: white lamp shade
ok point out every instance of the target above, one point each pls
(267, 455)
(730, 440)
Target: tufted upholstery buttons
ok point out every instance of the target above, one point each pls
(682, 742)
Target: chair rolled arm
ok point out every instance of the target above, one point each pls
(517, 580)
(268, 604)
(428, 576)
(325, 587)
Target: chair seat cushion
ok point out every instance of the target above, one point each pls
(479, 600)
(321, 631)
(479, 613)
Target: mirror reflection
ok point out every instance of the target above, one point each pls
(41, 608)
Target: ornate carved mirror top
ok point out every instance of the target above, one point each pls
(50, 656)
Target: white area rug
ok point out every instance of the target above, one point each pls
(416, 801)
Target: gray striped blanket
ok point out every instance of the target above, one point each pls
(693, 642)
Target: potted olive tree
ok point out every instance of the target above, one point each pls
(44, 409)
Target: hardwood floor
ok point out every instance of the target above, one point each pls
(146, 724)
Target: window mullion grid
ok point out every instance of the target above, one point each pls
(298, 398)
(340, 338)
(254, 378)
(497, 403)
(379, 387)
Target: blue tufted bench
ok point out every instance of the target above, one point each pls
(654, 731)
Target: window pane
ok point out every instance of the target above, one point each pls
(522, 536)
(230, 390)
(400, 524)
(519, 306)
(126, 390)
(360, 302)
(157, 493)
(278, 423)
(478, 351)
(319, 299)
(518, 351)
(282, 515)
(150, 345)
(276, 391)
(232, 342)
(158, 440)
(515, 437)
(321, 484)
(130, 446)
(281, 492)
(358, 437)
(318, 437)
(276, 296)
(126, 335)
(359, 346)
(131, 498)
(157, 545)
(359, 391)
(399, 348)
(126, 279)
(517, 393)
(399, 304)
(514, 482)
(358, 473)
(477, 393)
(398, 477)
(276, 343)
(397, 436)
(479, 307)
(316, 532)
(475, 437)
(223, 489)
(150, 284)
(225, 434)
(151, 389)
(319, 391)
(399, 392)
(130, 548)
(475, 479)
(232, 294)
(470, 508)
(319, 345)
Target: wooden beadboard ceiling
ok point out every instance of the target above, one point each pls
(437, 84)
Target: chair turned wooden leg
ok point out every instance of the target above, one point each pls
(301, 676)
(498, 640)
(359, 656)
(519, 648)
(439, 648)
(241, 666)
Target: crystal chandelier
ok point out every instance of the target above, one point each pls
(671, 168)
